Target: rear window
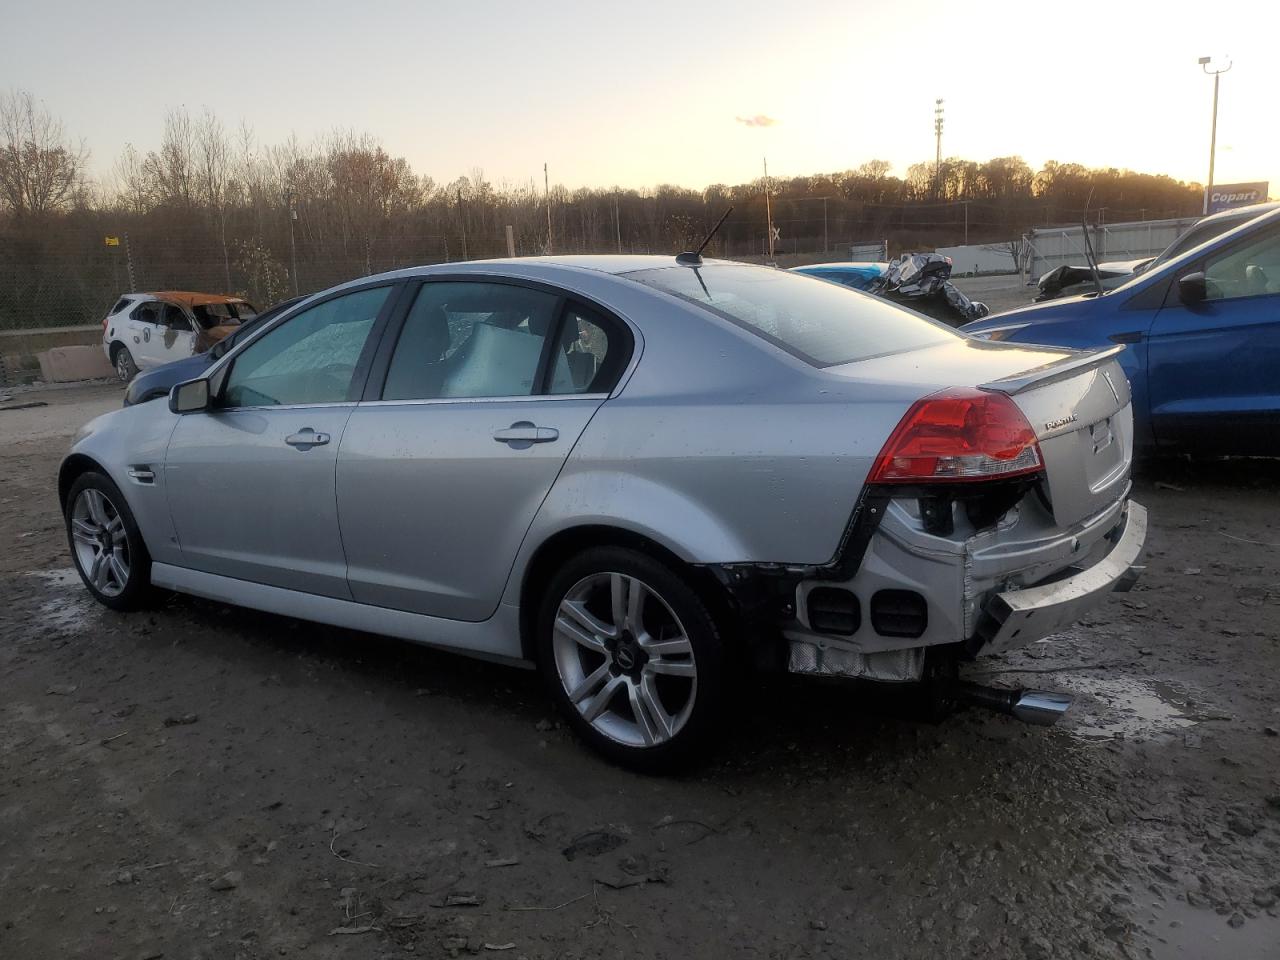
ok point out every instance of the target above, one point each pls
(124, 302)
(819, 322)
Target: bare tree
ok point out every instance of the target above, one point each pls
(132, 181)
(41, 171)
(213, 181)
(172, 169)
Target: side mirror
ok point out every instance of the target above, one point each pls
(1192, 288)
(189, 397)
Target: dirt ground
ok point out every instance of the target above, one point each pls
(208, 782)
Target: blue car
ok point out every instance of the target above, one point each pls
(1202, 336)
(158, 381)
(860, 276)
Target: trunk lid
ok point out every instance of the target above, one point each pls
(1077, 403)
(1081, 411)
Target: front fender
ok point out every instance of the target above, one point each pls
(117, 442)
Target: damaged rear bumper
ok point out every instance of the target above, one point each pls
(1015, 617)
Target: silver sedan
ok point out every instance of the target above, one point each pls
(639, 474)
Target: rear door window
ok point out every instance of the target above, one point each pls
(821, 323)
(147, 312)
(467, 340)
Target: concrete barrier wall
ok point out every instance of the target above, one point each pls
(67, 364)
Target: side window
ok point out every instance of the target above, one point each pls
(310, 358)
(148, 312)
(464, 339)
(124, 302)
(175, 319)
(587, 359)
(1250, 270)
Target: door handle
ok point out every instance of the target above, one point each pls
(306, 438)
(1131, 336)
(522, 433)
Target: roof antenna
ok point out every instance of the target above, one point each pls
(694, 257)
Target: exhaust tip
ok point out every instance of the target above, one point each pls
(1041, 707)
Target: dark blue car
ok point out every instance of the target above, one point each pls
(1203, 342)
(158, 381)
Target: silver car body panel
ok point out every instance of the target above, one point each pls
(714, 443)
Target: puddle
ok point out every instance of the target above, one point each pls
(1110, 707)
(1181, 932)
(69, 609)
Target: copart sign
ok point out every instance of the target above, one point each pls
(1223, 196)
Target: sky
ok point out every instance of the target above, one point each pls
(649, 93)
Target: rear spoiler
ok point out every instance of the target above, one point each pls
(1079, 362)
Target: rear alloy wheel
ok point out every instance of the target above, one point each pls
(633, 657)
(105, 543)
(126, 369)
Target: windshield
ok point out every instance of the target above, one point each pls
(822, 323)
(1200, 233)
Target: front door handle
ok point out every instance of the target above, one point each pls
(306, 438)
(522, 434)
(1131, 336)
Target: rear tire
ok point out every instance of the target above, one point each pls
(126, 369)
(106, 545)
(634, 659)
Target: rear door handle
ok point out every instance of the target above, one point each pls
(306, 438)
(522, 433)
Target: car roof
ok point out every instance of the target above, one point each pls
(1243, 213)
(191, 298)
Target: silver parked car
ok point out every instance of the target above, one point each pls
(639, 474)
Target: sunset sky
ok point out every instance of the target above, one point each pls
(648, 93)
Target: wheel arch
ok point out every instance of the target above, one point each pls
(73, 468)
(114, 349)
(560, 546)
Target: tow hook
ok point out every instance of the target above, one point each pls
(1040, 707)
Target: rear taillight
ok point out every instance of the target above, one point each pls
(959, 435)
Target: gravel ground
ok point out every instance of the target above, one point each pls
(201, 781)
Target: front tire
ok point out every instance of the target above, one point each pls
(126, 369)
(106, 544)
(633, 658)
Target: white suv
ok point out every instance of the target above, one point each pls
(149, 329)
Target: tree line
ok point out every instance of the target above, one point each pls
(214, 208)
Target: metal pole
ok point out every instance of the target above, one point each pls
(1213, 130)
(825, 245)
(546, 183)
(1213, 142)
(511, 242)
(768, 208)
(462, 219)
(937, 132)
(128, 262)
(293, 244)
(966, 223)
(617, 222)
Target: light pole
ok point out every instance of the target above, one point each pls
(937, 133)
(1213, 131)
(768, 208)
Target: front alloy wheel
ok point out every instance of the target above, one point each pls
(633, 656)
(100, 543)
(106, 544)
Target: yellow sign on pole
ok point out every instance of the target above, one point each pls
(112, 241)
